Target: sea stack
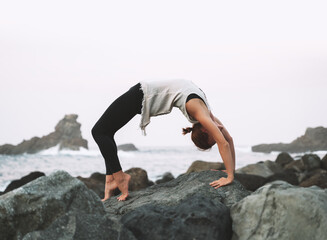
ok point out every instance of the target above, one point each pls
(314, 139)
(67, 135)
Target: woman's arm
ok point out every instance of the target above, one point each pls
(227, 136)
(200, 112)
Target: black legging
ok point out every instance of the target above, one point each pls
(120, 112)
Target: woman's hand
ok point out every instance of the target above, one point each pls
(221, 182)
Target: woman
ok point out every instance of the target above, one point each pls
(153, 99)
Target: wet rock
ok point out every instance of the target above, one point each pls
(198, 166)
(279, 210)
(67, 135)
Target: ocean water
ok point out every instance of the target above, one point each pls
(155, 160)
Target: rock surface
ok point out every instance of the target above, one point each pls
(67, 135)
(314, 139)
(57, 204)
(281, 211)
(178, 209)
(127, 147)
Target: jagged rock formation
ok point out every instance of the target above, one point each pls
(67, 135)
(314, 139)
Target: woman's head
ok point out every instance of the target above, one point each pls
(200, 136)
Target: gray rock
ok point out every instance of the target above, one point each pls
(166, 177)
(263, 169)
(281, 211)
(308, 162)
(283, 159)
(197, 217)
(314, 139)
(67, 135)
(198, 166)
(38, 204)
(127, 147)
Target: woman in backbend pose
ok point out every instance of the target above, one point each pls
(153, 99)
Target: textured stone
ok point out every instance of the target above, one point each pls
(36, 205)
(280, 210)
(197, 217)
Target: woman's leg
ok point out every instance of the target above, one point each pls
(121, 111)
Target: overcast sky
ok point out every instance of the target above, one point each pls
(262, 64)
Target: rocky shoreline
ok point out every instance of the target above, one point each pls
(284, 199)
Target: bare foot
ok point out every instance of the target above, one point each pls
(110, 187)
(122, 180)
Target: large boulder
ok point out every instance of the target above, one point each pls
(263, 169)
(184, 208)
(180, 189)
(280, 210)
(198, 166)
(314, 139)
(58, 204)
(67, 135)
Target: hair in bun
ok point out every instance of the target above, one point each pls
(187, 130)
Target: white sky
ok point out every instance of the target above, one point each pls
(262, 64)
